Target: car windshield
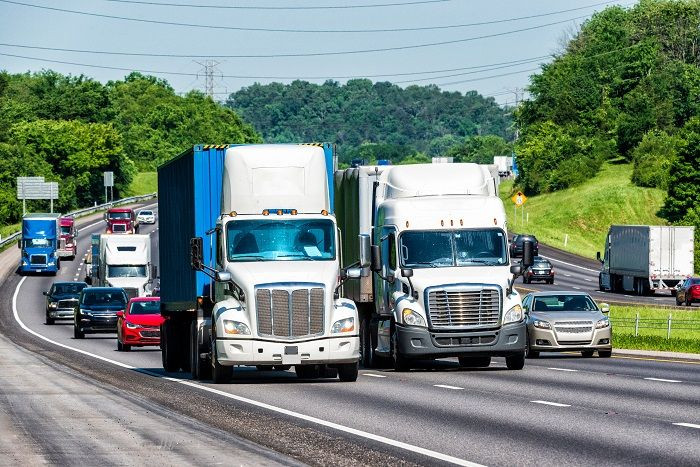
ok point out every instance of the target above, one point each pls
(36, 242)
(126, 271)
(542, 263)
(115, 299)
(448, 248)
(280, 240)
(694, 282)
(119, 215)
(65, 229)
(151, 307)
(68, 289)
(145, 213)
(564, 303)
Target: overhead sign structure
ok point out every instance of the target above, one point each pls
(519, 198)
(36, 188)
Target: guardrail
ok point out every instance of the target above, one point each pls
(82, 212)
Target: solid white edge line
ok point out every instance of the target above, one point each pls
(446, 386)
(664, 380)
(563, 369)
(555, 404)
(300, 416)
(688, 425)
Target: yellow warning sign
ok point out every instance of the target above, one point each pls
(519, 198)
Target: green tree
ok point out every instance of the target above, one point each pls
(653, 158)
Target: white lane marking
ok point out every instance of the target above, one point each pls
(446, 386)
(688, 425)
(373, 375)
(569, 264)
(577, 288)
(245, 400)
(562, 369)
(567, 275)
(630, 296)
(555, 404)
(587, 280)
(664, 380)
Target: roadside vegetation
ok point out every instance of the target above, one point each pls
(652, 328)
(585, 212)
(143, 183)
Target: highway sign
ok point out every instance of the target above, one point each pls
(519, 198)
(109, 179)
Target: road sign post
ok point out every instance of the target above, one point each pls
(35, 188)
(519, 200)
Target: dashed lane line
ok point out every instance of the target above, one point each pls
(554, 404)
(563, 369)
(308, 418)
(373, 375)
(664, 380)
(447, 386)
(688, 425)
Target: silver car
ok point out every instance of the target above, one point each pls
(566, 321)
(146, 217)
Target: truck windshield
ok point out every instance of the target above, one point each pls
(449, 248)
(119, 215)
(126, 271)
(280, 240)
(65, 230)
(36, 242)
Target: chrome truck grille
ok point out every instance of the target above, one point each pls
(290, 312)
(464, 307)
(37, 259)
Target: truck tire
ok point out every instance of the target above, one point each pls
(220, 374)
(199, 369)
(475, 362)
(347, 372)
(367, 357)
(398, 361)
(515, 362)
(307, 371)
(170, 355)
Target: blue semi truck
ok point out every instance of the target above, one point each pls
(39, 244)
(250, 263)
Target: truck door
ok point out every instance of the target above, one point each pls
(383, 287)
(605, 282)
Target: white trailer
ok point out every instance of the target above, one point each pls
(442, 282)
(504, 164)
(646, 258)
(125, 261)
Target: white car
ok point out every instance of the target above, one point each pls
(146, 217)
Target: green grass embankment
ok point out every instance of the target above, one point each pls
(653, 328)
(143, 183)
(586, 212)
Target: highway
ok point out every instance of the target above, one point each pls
(561, 409)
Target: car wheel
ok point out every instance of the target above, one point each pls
(605, 353)
(678, 302)
(587, 353)
(529, 353)
(120, 346)
(475, 362)
(515, 362)
(399, 362)
(126, 348)
(77, 333)
(49, 320)
(347, 372)
(551, 281)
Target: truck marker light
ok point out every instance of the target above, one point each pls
(442, 223)
(279, 212)
(495, 222)
(452, 223)
(265, 212)
(294, 212)
(233, 213)
(324, 212)
(461, 222)
(406, 224)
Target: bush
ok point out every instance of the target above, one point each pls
(653, 158)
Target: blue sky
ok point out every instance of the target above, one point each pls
(38, 27)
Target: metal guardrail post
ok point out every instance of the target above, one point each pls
(636, 325)
(668, 332)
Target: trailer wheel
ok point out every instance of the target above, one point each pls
(170, 355)
(347, 372)
(367, 357)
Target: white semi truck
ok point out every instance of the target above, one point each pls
(646, 258)
(442, 283)
(250, 259)
(125, 261)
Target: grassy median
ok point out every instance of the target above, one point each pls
(652, 328)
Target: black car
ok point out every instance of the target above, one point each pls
(516, 246)
(541, 270)
(61, 300)
(96, 311)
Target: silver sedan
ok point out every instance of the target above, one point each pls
(566, 321)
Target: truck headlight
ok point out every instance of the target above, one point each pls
(132, 325)
(513, 315)
(602, 324)
(538, 323)
(412, 318)
(343, 325)
(235, 327)
(53, 305)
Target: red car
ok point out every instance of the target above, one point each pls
(139, 324)
(688, 292)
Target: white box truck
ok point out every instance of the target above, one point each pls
(442, 283)
(125, 261)
(646, 258)
(250, 260)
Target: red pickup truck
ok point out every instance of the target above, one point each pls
(121, 221)
(68, 243)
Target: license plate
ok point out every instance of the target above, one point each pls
(291, 355)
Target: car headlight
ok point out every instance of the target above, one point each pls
(513, 315)
(343, 325)
(132, 325)
(235, 327)
(53, 304)
(412, 318)
(602, 323)
(538, 323)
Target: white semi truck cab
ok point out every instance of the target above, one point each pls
(125, 261)
(274, 262)
(442, 282)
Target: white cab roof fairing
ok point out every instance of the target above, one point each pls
(136, 251)
(275, 176)
(447, 212)
(406, 181)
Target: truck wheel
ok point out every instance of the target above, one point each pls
(199, 369)
(367, 357)
(77, 333)
(515, 362)
(169, 353)
(307, 371)
(348, 372)
(475, 362)
(221, 374)
(399, 362)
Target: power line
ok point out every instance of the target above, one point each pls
(312, 31)
(309, 7)
(307, 54)
(487, 77)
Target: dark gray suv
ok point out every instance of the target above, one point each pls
(96, 311)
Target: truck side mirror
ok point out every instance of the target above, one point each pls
(528, 256)
(223, 276)
(516, 270)
(365, 250)
(604, 308)
(407, 272)
(196, 253)
(376, 260)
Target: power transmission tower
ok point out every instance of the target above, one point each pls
(208, 70)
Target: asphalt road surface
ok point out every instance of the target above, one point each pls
(560, 409)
